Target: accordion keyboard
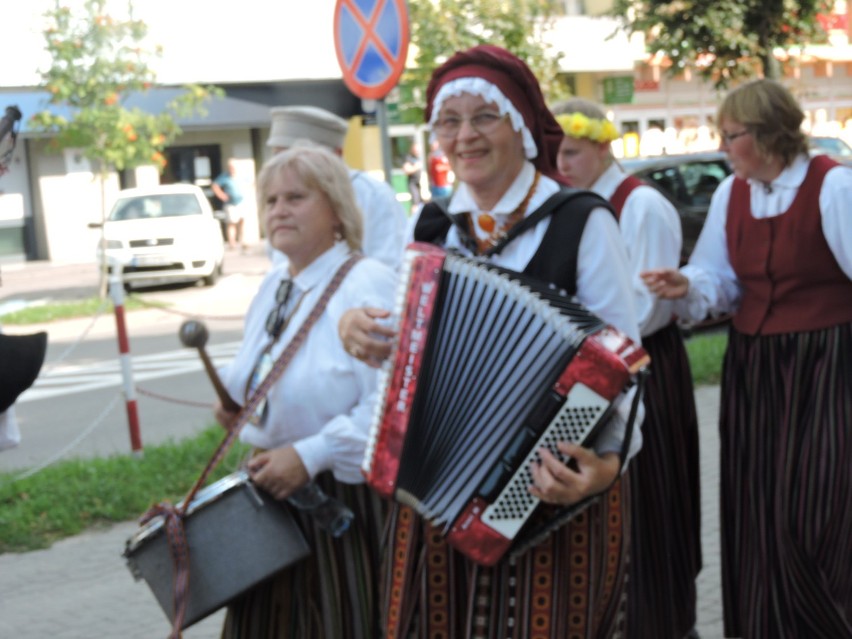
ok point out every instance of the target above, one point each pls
(582, 411)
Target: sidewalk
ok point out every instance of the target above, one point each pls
(80, 587)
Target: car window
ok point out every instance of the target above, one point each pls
(700, 180)
(668, 180)
(156, 206)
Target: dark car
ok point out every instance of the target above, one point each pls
(688, 181)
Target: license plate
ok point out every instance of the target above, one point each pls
(151, 260)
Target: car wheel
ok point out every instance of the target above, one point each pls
(211, 279)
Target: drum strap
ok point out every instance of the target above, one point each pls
(174, 515)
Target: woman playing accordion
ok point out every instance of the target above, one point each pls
(486, 110)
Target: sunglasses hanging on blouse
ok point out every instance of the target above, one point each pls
(276, 323)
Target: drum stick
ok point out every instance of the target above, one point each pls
(194, 334)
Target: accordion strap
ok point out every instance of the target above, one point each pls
(174, 515)
(435, 219)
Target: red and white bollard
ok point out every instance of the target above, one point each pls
(116, 291)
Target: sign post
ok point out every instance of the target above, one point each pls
(371, 40)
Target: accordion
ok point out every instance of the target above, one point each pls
(487, 368)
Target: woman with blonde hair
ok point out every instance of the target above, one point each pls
(665, 556)
(313, 425)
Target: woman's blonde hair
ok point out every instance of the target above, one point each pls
(581, 118)
(321, 170)
(771, 114)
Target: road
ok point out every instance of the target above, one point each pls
(82, 372)
(80, 588)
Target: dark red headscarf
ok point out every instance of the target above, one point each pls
(514, 78)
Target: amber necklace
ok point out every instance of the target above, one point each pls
(488, 224)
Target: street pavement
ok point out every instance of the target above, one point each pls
(80, 587)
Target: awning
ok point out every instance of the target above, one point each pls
(222, 112)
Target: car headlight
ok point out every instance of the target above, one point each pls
(112, 244)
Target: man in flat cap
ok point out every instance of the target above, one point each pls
(384, 218)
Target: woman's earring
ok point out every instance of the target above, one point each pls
(338, 235)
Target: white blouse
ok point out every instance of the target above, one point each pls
(713, 286)
(651, 228)
(323, 403)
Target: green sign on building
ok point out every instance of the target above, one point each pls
(618, 90)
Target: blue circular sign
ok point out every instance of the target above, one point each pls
(371, 39)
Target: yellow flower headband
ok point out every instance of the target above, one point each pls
(578, 125)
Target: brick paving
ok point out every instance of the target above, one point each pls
(80, 588)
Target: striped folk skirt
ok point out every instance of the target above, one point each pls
(570, 586)
(665, 552)
(333, 593)
(786, 485)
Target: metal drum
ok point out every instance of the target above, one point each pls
(237, 535)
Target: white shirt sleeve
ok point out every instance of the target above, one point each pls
(713, 286)
(835, 202)
(652, 232)
(603, 286)
(384, 219)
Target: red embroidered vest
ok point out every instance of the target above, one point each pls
(791, 281)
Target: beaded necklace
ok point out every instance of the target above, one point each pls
(488, 223)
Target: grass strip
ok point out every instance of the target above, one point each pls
(54, 311)
(72, 496)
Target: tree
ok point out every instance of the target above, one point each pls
(439, 28)
(97, 63)
(724, 40)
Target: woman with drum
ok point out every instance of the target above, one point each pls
(486, 110)
(666, 500)
(313, 424)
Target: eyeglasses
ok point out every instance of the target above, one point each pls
(727, 138)
(277, 319)
(449, 126)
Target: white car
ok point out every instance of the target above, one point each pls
(165, 233)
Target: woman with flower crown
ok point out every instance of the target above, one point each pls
(665, 553)
(486, 110)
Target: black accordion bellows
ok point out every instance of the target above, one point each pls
(488, 367)
(497, 342)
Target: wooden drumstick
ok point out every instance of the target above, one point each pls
(194, 334)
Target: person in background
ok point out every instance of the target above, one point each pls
(227, 190)
(439, 172)
(384, 217)
(665, 556)
(313, 424)
(776, 251)
(486, 109)
(413, 169)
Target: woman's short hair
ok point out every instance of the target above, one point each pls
(772, 115)
(579, 105)
(324, 171)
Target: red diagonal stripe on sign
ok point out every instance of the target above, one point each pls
(369, 29)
